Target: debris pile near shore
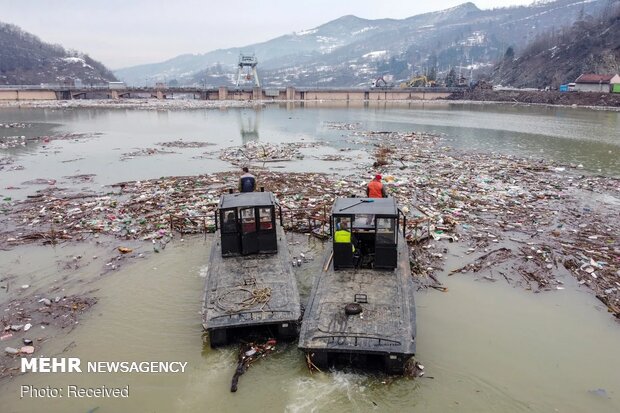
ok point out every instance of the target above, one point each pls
(548, 97)
(526, 221)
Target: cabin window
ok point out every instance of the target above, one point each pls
(266, 218)
(364, 221)
(228, 219)
(248, 220)
(386, 232)
(342, 223)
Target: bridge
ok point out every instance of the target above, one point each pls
(60, 92)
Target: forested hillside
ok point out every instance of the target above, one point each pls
(590, 45)
(25, 59)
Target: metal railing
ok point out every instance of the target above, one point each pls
(298, 220)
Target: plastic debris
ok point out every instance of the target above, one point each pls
(598, 392)
(180, 143)
(144, 152)
(26, 350)
(249, 353)
(11, 350)
(483, 201)
(260, 152)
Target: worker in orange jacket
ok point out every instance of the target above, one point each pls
(375, 188)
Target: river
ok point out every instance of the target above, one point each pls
(486, 347)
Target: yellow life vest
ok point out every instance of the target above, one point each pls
(344, 237)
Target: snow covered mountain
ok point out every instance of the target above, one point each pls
(25, 59)
(353, 51)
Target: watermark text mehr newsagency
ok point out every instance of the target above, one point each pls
(75, 365)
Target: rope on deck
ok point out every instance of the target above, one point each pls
(254, 297)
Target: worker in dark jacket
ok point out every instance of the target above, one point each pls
(375, 188)
(247, 182)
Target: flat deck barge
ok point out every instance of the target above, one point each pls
(250, 286)
(361, 309)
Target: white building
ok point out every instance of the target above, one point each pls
(591, 82)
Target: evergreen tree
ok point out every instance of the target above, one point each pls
(432, 74)
(451, 80)
(510, 54)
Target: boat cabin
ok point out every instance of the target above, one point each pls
(247, 223)
(365, 233)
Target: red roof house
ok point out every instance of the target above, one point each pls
(592, 82)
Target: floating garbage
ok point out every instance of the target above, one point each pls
(15, 125)
(144, 152)
(341, 125)
(46, 301)
(249, 353)
(8, 142)
(260, 152)
(500, 208)
(142, 104)
(598, 392)
(26, 350)
(180, 143)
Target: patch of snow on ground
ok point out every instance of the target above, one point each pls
(306, 32)
(325, 39)
(78, 60)
(365, 29)
(375, 55)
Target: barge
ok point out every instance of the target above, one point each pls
(250, 286)
(361, 310)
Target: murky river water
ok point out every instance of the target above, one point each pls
(579, 136)
(487, 347)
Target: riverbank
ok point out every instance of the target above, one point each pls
(584, 99)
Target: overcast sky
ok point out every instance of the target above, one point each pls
(123, 33)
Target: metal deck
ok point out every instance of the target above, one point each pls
(228, 300)
(385, 327)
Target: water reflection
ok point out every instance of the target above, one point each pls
(248, 125)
